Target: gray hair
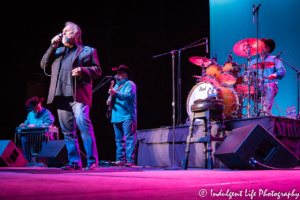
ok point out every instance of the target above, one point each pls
(76, 30)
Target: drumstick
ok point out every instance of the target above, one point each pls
(262, 76)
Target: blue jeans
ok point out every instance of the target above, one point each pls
(26, 150)
(125, 135)
(24, 142)
(71, 114)
(269, 93)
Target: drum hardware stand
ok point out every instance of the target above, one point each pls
(298, 74)
(255, 11)
(173, 90)
(249, 83)
(202, 71)
(263, 105)
(249, 73)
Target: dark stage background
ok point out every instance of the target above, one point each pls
(123, 32)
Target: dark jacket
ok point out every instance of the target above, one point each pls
(86, 58)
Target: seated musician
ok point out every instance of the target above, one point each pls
(38, 116)
(270, 74)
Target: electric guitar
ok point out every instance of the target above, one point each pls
(112, 101)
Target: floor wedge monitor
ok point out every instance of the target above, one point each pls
(254, 143)
(55, 154)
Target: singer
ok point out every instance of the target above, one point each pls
(123, 99)
(273, 69)
(73, 68)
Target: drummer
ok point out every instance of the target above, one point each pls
(274, 71)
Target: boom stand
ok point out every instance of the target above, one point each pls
(173, 104)
(173, 93)
(298, 74)
(256, 82)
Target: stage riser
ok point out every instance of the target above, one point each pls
(155, 145)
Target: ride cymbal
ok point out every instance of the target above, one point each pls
(241, 47)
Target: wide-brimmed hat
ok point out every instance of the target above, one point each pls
(32, 102)
(124, 69)
(270, 43)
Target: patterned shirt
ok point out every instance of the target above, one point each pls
(278, 69)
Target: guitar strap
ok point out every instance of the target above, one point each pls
(120, 86)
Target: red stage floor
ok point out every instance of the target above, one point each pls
(147, 183)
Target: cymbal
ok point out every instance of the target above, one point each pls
(263, 64)
(240, 48)
(198, 77)
(201, 61)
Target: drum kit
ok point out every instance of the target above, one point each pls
(230, 87)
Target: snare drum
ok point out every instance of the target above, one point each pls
(212, 74)
(242, 83)
(230, 73)
(228, 96)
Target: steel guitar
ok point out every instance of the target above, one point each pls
(36, 137)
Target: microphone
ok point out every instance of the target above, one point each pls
(254, 9)
(112, 77)
(206, 45)
(278, 55)
(258, 7)
(230, 57)
(216, 57)
(60, 35)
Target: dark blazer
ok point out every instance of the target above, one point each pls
(86, 58)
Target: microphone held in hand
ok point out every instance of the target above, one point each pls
(60, 35)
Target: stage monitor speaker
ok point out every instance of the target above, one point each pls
(10, 156)
(253, 142)
(55, 154)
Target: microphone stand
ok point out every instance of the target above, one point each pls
(179, 88)
(173, 92)
(256, 89)
(179, 75)
(100, 85)
(173, 104)
(298, 74)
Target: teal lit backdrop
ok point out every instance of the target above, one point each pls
(232, 21)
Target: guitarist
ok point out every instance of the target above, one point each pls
(123, 116)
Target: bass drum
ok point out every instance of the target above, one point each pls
(228, 96)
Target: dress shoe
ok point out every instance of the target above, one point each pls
(119, 163)
(91, 166)
(71, 167)
(129, 164)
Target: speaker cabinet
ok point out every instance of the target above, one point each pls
(254, 142)
(10, 156)
(55, 154)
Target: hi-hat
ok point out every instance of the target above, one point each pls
(263, 64)
(241, 47)
(201, 61)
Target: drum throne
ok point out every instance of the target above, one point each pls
(206, 109)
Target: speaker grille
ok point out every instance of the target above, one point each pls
(253, 141)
